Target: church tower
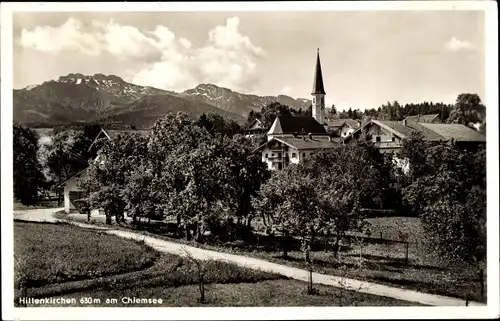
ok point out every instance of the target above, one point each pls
(318, 93)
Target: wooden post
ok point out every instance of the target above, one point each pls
(406, 254)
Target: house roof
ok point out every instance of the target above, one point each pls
(429, 118)
(429, 131)
(318, 87)
(294, 124)
(256, 124)
(76, 175)
(457, 132)
(340, 122)
(307, 143)
(300, 143)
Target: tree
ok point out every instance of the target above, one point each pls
(451, 198)
(28, 177)
(332, 112)
(216, 124)
(414, 150)
(91, 131)
(347, 179)
(468, 110)
(289, 202)
(271, 111)
(248, 174)
(66, 154)
(107, 175)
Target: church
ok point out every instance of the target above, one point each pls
(292, 139)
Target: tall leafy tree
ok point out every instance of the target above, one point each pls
(216, 124)
(107, 176)
(289, 202)
(66, 154)
(451, 199)
(468, 110)
(28, 178)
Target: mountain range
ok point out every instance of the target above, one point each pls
(77, 99)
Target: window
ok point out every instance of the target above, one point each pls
(266, 155)
(294, 155)
(279, 155)
(377, 139)
(272, 155)
(314, 100)
(280, 166)
(393, 139)
(303, 155)
(322, 100)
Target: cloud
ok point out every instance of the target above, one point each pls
(285, 90)
(455, 45)
(228, 58)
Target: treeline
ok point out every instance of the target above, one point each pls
(395, 111)
(468, 110)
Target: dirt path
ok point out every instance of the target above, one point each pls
(294, 273)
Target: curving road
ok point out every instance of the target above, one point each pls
(46, 215)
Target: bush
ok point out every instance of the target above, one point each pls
(82, 206)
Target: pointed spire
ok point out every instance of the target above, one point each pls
(318, 78)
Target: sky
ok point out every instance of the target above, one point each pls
(367, 57)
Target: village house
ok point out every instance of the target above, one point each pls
(294, 138)
(72, 191)
(342, 127)
(388, 135)
(255, 128)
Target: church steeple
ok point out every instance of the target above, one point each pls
(318, 93)
(318, 78)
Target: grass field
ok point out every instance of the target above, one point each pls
(49, 248)
(53, 253)
(268, 293)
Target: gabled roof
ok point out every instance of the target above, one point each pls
(112, 133)
(341, 121)
(429, 118)
(77, 175)
(429, 131)
(318, 87)
(457, 132)
(300, 143)
(294, 124)
(256, 124)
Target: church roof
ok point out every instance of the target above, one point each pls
(318, 87)
(295, 124)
